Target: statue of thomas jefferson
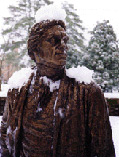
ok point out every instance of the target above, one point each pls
(53, 115)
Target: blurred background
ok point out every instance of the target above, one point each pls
(93, 32)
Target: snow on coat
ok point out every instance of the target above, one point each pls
(71, 120)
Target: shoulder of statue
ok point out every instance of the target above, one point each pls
(18, 87)
(81, 74)
(95, 88)
(20, 79)
(96, 94)
(82, 77)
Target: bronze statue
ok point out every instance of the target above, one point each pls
(71, 120)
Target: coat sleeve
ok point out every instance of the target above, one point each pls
(12, 121)
(99, 128)
(4, 126)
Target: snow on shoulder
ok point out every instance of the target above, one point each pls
(50, 12)
(80, 74)
(19, 78)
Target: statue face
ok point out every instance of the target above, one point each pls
(52, 47)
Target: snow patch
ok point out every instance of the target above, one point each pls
(9, 131)
(53, 85)
(0, 120)
(4, 90)
(20, 78)
(80, 74)
(13, 134)
(50, 12)
(111, 95)
(55, 105)
(39, 109)
(115, 133)
(60, 111)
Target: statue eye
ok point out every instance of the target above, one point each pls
(54, 40)
(57, 40)
(51, 40)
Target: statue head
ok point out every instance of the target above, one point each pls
(47, 42)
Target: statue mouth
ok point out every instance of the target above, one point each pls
(61, 56)
(62, 48)
(61, 52)
(62, 59)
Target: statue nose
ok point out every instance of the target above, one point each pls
(57, 33)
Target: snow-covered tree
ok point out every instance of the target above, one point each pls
(103, 56)
(75, 32)
(1, 64)
(21, 19)
(2, 56)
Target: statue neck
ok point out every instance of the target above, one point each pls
(50, 70)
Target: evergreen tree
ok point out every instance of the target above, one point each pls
(1, 64)
(103, 56)
(18, 26)
(21, 20)
(2, 56)
(75, 32)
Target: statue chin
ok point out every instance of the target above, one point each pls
(62, 62)
(50, 69)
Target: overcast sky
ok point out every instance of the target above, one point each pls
(90, 11)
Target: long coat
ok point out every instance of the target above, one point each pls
(69, 121)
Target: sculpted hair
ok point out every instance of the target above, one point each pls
(37, 32)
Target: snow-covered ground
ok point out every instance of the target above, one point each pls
(115, 132)
(4, 89)
(111, 95)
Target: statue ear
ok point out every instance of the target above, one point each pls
(37, 57)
